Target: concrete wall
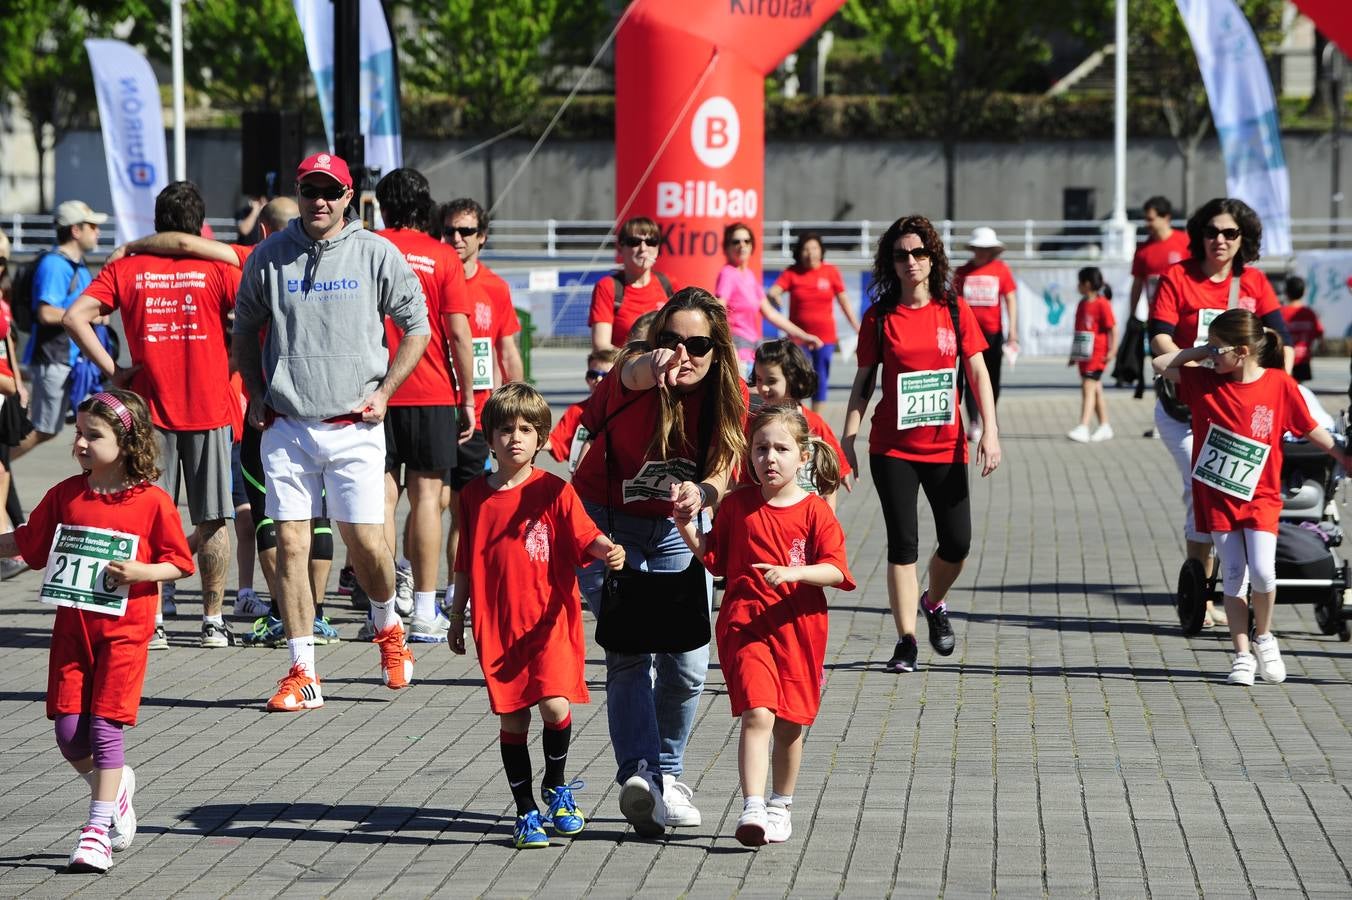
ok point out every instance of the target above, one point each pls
(804, 180)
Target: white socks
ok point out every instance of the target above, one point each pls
(784, 800)
(101, 813)
(384, 615)
(755, 801)
(214, 620)
(425, 604)
(303, 653)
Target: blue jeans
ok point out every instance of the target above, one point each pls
(651, 699)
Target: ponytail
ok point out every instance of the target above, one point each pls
(1270, 355)
(1241, 328)
(825, 465)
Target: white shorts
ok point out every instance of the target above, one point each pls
(308, 463)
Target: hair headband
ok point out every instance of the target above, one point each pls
(117, 407)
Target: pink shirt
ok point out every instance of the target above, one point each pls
(741, 290)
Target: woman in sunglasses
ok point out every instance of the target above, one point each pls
(1224, 237)
(635, 288)
(921, 333)
(666, 423)
(739, 289)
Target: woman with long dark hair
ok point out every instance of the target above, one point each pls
(924, 337)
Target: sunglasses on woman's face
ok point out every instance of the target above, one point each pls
(596, 374)
(698, 345)
(1212, 232)
(315, 192)
(736, 242)
(919, 254)
(637, 241)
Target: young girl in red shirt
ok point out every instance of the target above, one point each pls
(778, 547)
(1095, 341)
(523, 533)
(105, 538)
(1240, 410)
(783, 375)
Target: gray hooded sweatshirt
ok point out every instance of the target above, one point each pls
(323, 304)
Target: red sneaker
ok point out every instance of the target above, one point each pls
(396, 660)
(297, 691)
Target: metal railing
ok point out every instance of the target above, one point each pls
(1027, 240)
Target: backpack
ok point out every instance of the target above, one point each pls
(618, 275)
(21, 296)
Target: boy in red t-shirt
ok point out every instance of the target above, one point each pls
(569, 439)
(523, 532)
(1094, 342)
(1304, 325)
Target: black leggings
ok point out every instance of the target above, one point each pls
(994, 355)
(898, 483)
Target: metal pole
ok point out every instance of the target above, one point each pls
(1334, 65)
(347, 138)
(180, 130)
(1120, 224)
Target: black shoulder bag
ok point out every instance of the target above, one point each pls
(1167, 392)
(655, 612)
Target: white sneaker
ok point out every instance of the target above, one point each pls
(751, 827)
(124, 815)
(92, 853)
(159, 640)
(1270, 665)
(681, 812)
(779, 825)
(248, 605)
(1102, 433)
(1079, 434)
(641, 803)
(403, 591)
(1242, 669)
(429, 631)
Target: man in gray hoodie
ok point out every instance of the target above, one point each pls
(319, 384)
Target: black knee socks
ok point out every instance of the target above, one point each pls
(516, 763)
(555, 740)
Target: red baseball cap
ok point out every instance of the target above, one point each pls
(326, 164)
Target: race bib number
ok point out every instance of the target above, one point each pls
(1230, 463)
(981, 290)
(580, 439)
(76, 572)
(1082, 346)
(1204, 319)
(654, 480)
(926, 398)
(483, 364)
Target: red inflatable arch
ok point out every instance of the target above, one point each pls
(1333, 17)
(700, 66)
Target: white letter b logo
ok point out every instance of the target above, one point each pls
(715, 132)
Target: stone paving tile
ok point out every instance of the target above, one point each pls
(1076, 744)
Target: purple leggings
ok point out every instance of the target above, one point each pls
(86, 734)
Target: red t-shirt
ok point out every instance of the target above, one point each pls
(5, 367)
(520, 548)
(1305, 328)
(1154, 258)
(637, 301)
(812, 298)
(174, 315)
(1095, 316)
(772, 640)
(145, 511)
(642, 486)
(491, 318)
(1261, 410)
(443, 282)
(917, 341)
(1185, 291)
(984, 288)
(561, 437)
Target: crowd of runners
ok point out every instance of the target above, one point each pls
(301, 384)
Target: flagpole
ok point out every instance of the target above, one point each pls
(180, 133)
(1121, 228)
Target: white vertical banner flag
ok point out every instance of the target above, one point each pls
(1244, 111)
(379, 86)
(133, 134)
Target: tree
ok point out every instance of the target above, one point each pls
(46, 68)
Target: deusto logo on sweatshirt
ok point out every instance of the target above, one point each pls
(323, 291)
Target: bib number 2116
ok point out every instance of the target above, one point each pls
(926, 398)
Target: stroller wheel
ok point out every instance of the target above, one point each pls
(1191, 597)
(1345, 635)
(1326, 615)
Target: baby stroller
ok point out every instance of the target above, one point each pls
(1309, 569)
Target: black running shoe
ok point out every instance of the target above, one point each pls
(940, 631)
(903, 657)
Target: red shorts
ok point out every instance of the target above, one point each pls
(779, 668)
(98, 662)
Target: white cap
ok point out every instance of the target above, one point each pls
(983, 237)
(77, 212)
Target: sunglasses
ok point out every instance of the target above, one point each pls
(595, 374)
(1219, 351)
(1211, 232)
(919, 254)
(637, 241)
(464, 232)
(315, 192)
(697, 346)
(736, 241)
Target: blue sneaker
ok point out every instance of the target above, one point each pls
(563, 812)
(324, 632)
(530, 831)
(266, 632)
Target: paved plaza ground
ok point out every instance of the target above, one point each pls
(1076, 744)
